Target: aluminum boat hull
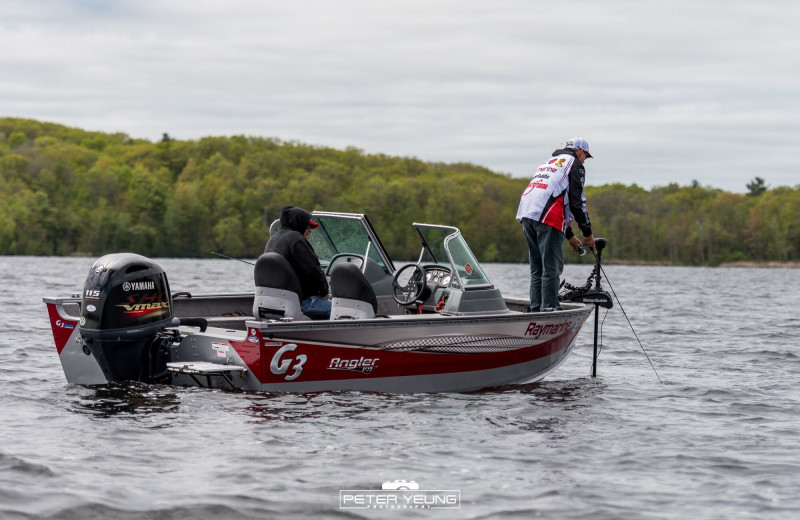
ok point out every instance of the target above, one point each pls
(398, 354)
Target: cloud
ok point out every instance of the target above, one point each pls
(663, 91)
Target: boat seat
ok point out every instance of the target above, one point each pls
(277, 289)
(353, 295)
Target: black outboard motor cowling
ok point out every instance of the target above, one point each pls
(126, 303)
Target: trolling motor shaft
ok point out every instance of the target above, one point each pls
(600, 297)
(592, 292)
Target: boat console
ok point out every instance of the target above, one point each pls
(447, 278)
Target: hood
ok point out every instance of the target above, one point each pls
(568, 151)
(294, 218)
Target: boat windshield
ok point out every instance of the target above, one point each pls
(344, 233)
(447, 247)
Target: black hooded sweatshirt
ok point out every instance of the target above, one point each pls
(290, 244)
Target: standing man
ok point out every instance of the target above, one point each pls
(553, 198)
(291, 242)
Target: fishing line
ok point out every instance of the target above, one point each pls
(601, 332)
(629, 322)
(229, 258)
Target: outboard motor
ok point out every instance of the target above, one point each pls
(126, 303)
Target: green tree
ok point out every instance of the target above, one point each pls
(756, 187)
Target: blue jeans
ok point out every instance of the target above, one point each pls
(316, 307)
(546, 255)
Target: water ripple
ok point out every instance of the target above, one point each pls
(718, 439)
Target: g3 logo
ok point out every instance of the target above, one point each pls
(279, 367)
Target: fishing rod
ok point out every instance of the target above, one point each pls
(229, 258)
(600, 243)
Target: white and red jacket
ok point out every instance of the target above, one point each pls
(555, 195)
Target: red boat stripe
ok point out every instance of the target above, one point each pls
(62, 328)
(325, 363)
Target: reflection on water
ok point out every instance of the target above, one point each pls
(347, 405)
(126, 399)
(548, 391)
(544, 407)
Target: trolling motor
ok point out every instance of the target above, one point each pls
(591, 292)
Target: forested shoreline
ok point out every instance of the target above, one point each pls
(66, 191)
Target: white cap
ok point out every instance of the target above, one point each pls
(579, 143)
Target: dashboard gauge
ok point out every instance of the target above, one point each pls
(439, 277)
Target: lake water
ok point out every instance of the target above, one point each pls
(718, 439)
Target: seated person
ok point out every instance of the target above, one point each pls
(291, 242)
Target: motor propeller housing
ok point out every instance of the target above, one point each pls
(600, 244)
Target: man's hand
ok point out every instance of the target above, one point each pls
(574, 243)
(589, 242)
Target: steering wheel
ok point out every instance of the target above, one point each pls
(408, 284)
(358, 260)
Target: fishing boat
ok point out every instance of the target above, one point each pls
(434, 325)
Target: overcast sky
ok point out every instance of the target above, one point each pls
(664, 91)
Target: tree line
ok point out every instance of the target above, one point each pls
(67, 191)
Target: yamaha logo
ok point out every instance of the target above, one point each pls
(139, 286)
